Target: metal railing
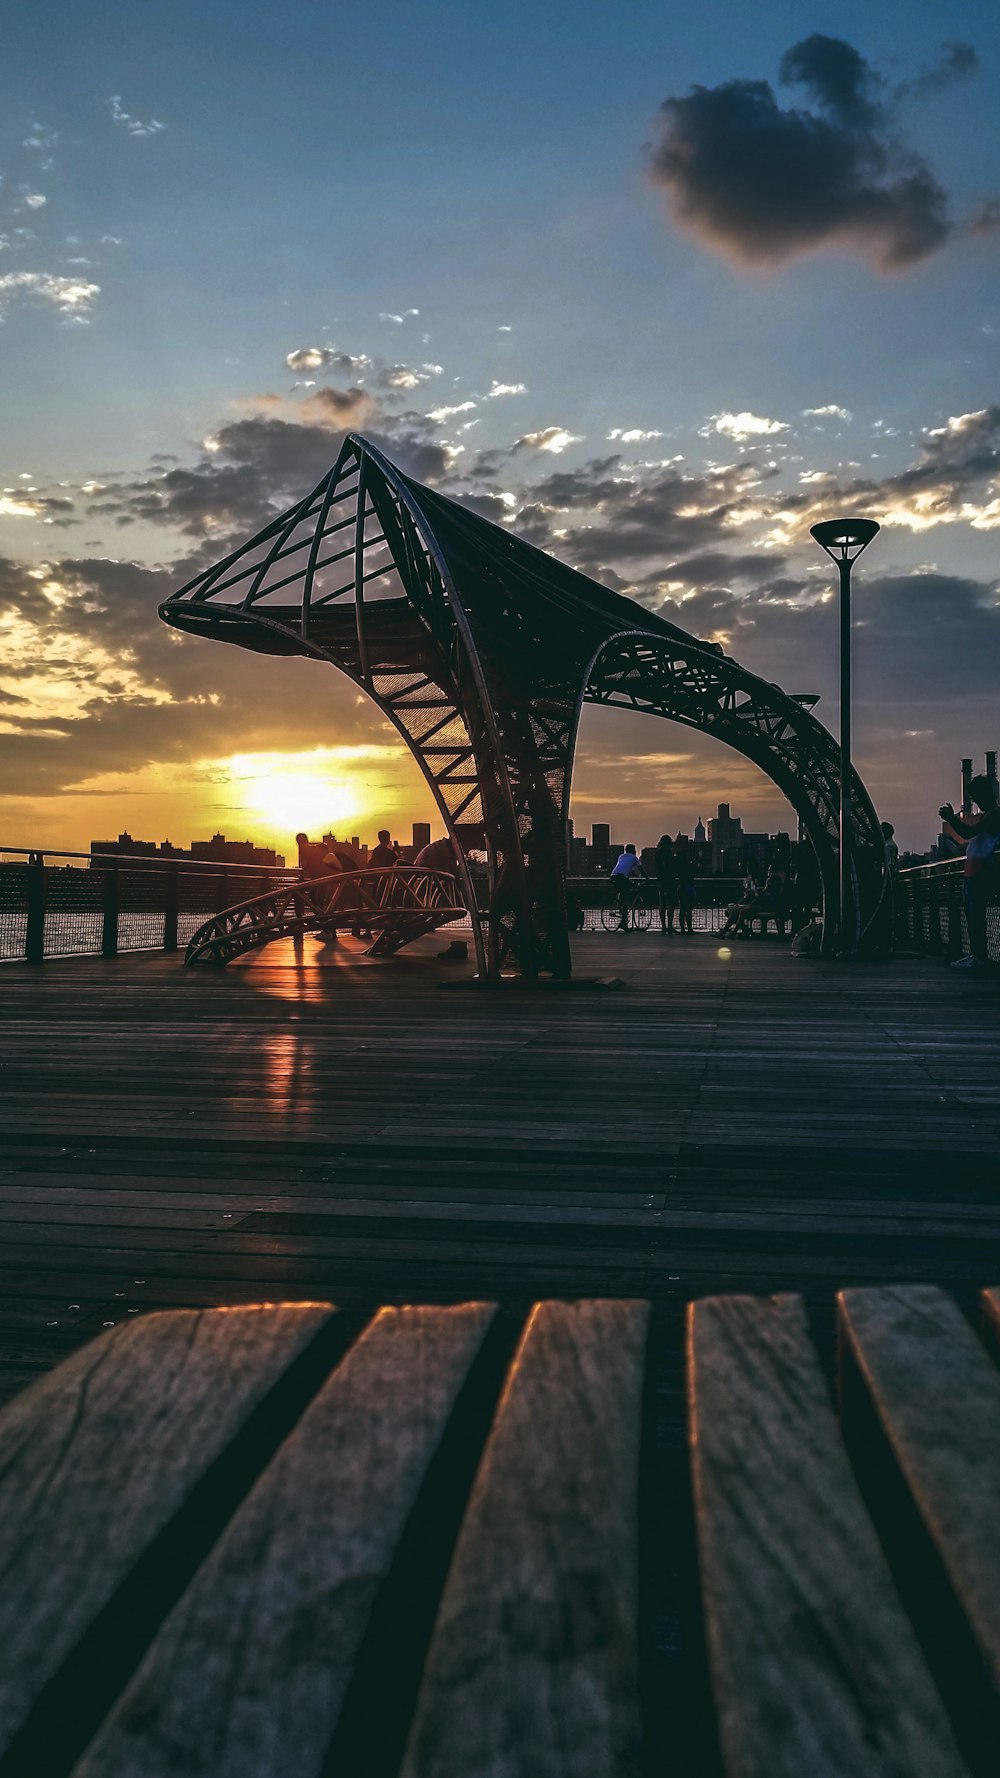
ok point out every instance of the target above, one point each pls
(84, 904)
(713, 896)
(930, 915)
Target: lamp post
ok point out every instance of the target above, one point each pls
(843, 540)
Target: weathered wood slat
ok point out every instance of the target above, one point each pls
(532, 1666)
(937, 1397)
(815, 1668)
(247, 1676)
(98, 1457)
(991, 1316)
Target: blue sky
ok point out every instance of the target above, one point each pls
(226, 186)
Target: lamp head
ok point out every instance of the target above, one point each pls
(844, 539)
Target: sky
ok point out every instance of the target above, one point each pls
(654, 287)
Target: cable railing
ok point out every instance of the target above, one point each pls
(86, 904)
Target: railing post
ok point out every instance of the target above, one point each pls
(170, 908)
(34, 937)
(222, 897)
(109, 933)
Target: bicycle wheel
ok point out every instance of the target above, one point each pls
(611, 917)
(642, 914)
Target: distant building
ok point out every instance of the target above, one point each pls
(421, 836)
(700, 835)
(217, 850)
(600, 835)
(725, 831)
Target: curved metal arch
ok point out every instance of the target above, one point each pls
(481, 651)
(776, 733)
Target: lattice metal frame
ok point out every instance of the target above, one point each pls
(482, 650)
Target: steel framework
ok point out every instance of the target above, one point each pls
(398, 905)
(482, 651)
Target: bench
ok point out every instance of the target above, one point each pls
(287, 1542)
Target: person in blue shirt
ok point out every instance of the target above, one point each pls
(625, 878)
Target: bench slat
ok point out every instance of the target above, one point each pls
(937, 1397)
(97, 1457)
(247, 1676)
(815, 1667)
(532, 1665)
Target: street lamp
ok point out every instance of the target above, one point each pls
(843, 540)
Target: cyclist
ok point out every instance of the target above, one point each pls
(624, 878)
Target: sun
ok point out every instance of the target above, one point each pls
(292, 797)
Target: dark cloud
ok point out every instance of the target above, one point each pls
(957, 62)
(260, 465)
(838, 77)
(661, 515)
(762, 183)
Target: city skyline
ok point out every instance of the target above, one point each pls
(195, 309)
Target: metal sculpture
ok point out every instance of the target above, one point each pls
(482, 650)
(398, 905)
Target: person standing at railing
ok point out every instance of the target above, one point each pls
(981, 836)
(385, 855)
(687, 894)
(666, 882)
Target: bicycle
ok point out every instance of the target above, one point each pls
(627, 909)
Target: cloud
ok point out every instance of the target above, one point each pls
(253, 468)
(35, 200)
(326, 358)
(27, 503)
(957, 62)
(440, 414)
(741, 427)
(397, 320)
(134, 126)
(73, 297)
(550, 438)
(347, 408)
(496, 389)
(829, 412)
(632, 435)
(405, 376)
(761, 183)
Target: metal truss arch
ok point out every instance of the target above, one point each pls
(481, 651)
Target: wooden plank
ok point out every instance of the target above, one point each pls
(937, 1397)
(532, 1666)
(991, 1318)
(815, 1667)
(247, 1677)
(100, 1455)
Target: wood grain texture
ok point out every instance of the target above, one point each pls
(247, 1676)
(815, 1668)
(937, 1397)
(990, 1304)
(98, 1457)
(532, 1666)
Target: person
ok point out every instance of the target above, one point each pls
(385, 855)
(687, 894)
(312, 854)
(339, 860)
(437, 855)
(624, 879)
(891, 848)
(666, 882)
(981, 836)
(769, 903)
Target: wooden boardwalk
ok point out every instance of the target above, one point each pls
(350, 1131)
(338, 1128)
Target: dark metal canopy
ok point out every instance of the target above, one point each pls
(482, 650)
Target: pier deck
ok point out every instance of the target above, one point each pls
(338, 1128)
